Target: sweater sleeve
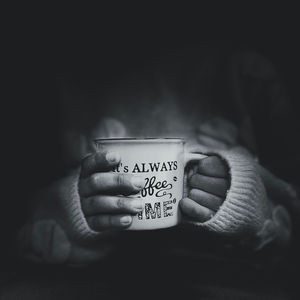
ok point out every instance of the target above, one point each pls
(247, 214)
(61, 202)
(57, 231)
(268, 99)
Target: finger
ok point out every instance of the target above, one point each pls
(206, 199)
(104, 222)
(213, 166)
(111, 204)
(110, 183)
(215, 186)
(195, 211)
(99, 162)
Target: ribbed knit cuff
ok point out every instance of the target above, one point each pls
(77, 226)
(245, 208)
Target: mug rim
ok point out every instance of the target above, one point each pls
(147, 139)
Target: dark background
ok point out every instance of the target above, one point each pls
(42, 46)
(40, 50)
(104, 48)
(44, 42)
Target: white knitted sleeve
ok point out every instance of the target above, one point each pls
(246, 207)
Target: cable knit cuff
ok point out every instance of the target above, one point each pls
(246, 207)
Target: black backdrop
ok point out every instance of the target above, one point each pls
(37, 55)
(40, 55)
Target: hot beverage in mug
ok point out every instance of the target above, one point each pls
(161, 163)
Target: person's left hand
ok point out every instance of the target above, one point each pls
(207, 185)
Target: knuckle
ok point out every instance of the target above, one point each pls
(194, 211)
(120, 179)
(94, 180)
(120, 204)
(193, 193)
(98, 158)
(184, 205)
(208, 214)
(195, 180)
(110, 220)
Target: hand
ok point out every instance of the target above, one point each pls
(208, 184)
(103, 193)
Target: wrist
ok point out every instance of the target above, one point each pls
(246, 206)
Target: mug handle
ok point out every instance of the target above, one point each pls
(192, 156)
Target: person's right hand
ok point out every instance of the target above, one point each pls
(104, 194)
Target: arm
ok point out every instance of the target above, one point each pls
(228, 194)
(75, 219)
(275, 131)
(276, 128)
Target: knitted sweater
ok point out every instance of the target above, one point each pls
(246, 213)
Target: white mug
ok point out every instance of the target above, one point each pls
(161, 162)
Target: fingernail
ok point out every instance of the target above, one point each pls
(138, 182)
(137, 204)
(126, 220)
(112, 157)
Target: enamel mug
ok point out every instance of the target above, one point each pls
(161, 163)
